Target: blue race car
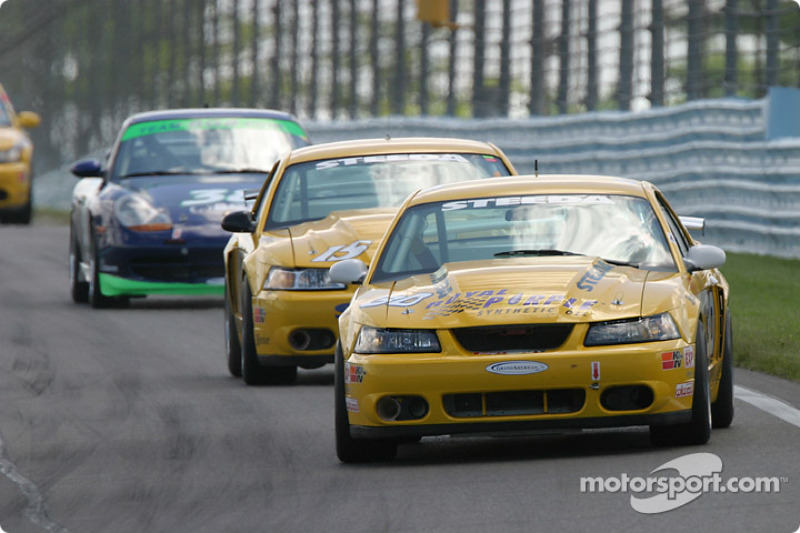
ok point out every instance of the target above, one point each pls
(148, 220)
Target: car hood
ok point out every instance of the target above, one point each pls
(513, 291)
(349, 234)
(194, 200)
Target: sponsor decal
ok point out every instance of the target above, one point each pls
(503, 302)
(341, 308)
(514, 201)
(593, 276)
(352, 405)
(340, 252)
(368, 160)
(199, 124)
(671, 360)
(688, 357)
(354, 373)
(595, 370)
(259, 315)
(685, 389)
(517, 368)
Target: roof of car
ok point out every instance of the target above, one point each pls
(208, 112)
(529, 184)
(364, 147)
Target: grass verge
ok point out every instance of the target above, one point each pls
(766, 315)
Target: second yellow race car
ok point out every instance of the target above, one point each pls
(320, 205)
(533, 303)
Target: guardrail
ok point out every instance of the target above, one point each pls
(716, 159)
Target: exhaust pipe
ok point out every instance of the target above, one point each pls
(388, 408)
(299, 340)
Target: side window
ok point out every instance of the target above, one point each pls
(676, 233)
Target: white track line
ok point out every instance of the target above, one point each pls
(771, 405)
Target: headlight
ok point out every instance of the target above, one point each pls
(373, 340)
(12, 155)
(649, 329)
(305, 279)
(137, 214)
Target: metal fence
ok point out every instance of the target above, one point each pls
(86, 64)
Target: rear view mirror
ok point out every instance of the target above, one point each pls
(239, 222)
(348, 271)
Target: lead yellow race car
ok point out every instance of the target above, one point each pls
(533, 303)
(320, 205)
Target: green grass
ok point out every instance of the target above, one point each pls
(766, 315)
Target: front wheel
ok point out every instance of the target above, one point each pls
(79, 289)
(95, 296)
(253, 372)
(722, 409)
(233, 348)
(348, 449)
(698, 430)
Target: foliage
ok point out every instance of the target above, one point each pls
(765, 313)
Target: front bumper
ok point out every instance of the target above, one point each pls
(164, 269)
(15, 185)
(579, 388)
(297, 327)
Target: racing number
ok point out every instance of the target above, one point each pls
(213, 196)
(350, 251)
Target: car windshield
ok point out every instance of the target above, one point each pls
(312, 190)
(204, 146)
(619, 229)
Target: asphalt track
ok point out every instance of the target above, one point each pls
(127, 421)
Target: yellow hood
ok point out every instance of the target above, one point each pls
(521, 290)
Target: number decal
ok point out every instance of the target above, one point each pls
(350, 251)
(213, 196)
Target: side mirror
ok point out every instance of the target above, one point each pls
(87, 168)
(704, 257)
(28, 119)
(239, 222)
(348, 271)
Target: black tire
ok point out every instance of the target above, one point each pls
(94, 295)
(78, 289)
(348, 449)
(722, 409)
(26, 214)
(698, 431)
(253, 372)
(233, 348)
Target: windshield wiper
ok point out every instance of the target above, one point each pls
(154, 173)
(540, 252)
(241, 171)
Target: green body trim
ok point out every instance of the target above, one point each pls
(116, 286)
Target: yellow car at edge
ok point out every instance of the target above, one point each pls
(533, 303)
(319, 205)
(16, 151)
